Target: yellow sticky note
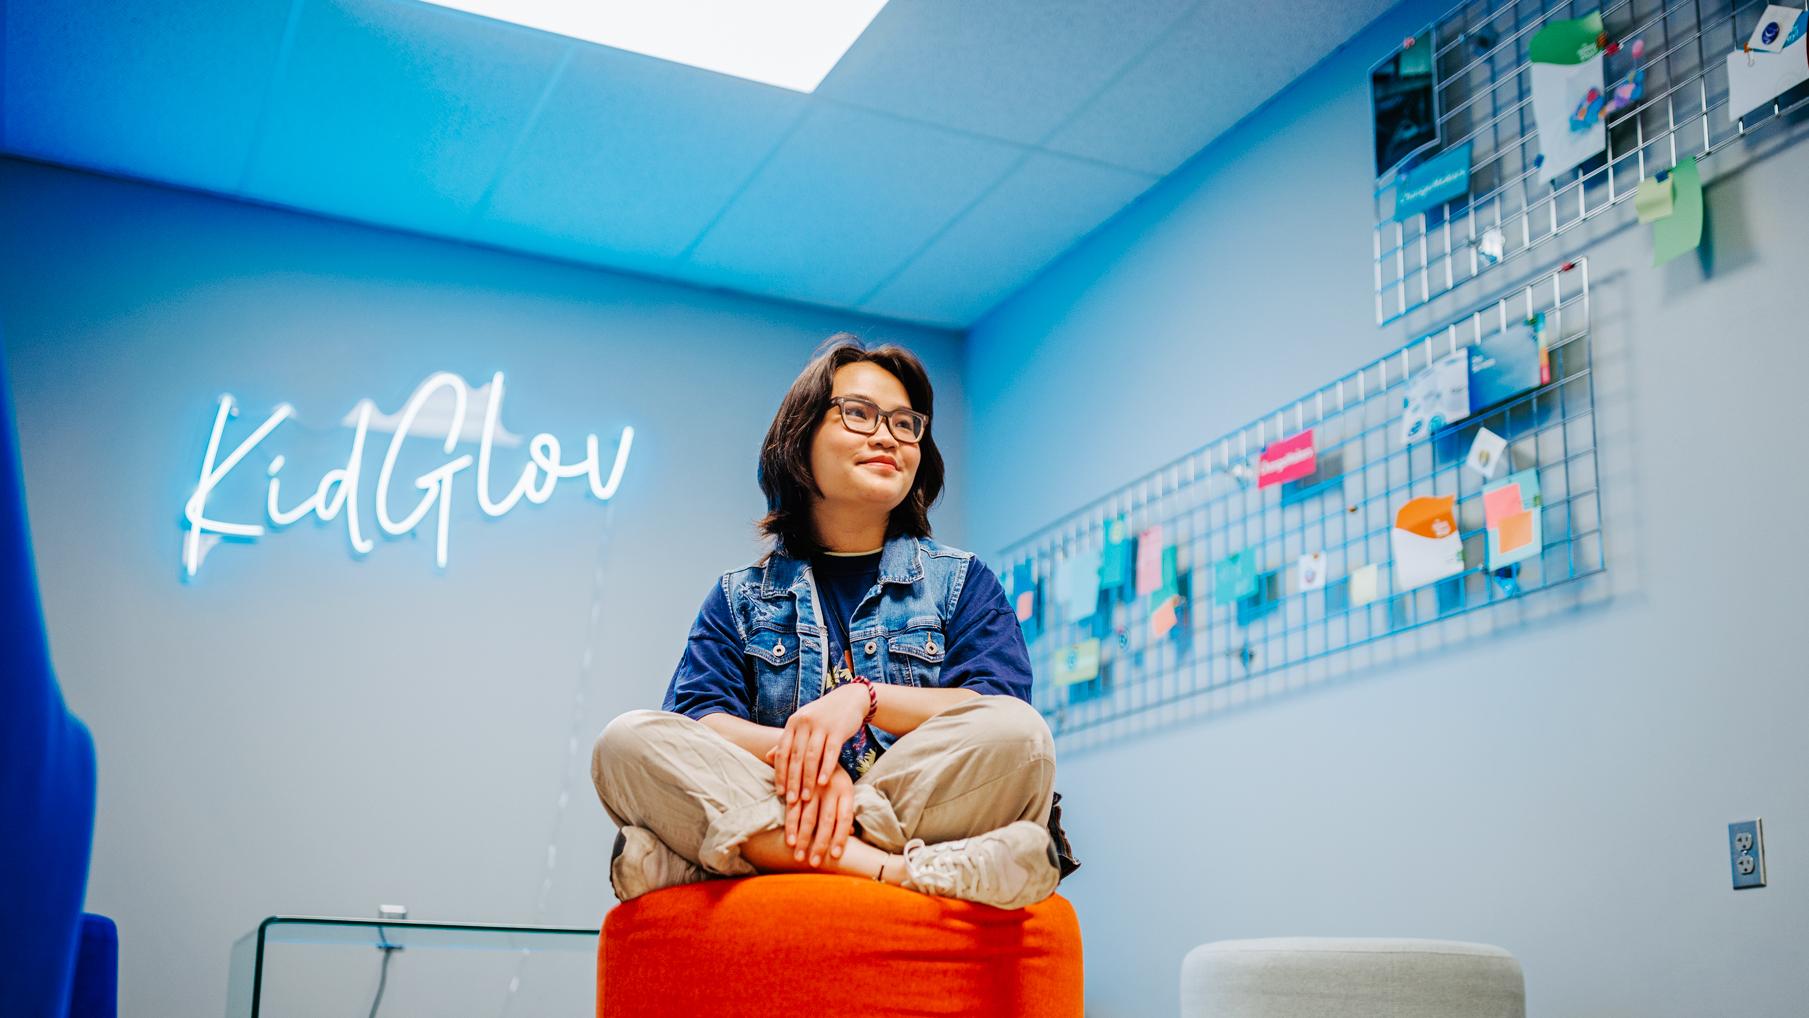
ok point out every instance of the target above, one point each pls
(1077, 663)
(1654, 199)
(1363, 585)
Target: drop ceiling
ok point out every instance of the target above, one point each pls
(956, 150)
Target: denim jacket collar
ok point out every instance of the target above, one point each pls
(900, 561)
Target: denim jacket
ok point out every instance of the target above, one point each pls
(897, 634)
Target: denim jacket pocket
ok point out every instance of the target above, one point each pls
(774, 655)
(915, 656)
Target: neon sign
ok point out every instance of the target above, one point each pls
(425, 414)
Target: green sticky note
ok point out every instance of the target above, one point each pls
(1234, 577)
(1654, 199)
(1115, 562)
(1681, 231)
(1171, 578)
(1566, 42)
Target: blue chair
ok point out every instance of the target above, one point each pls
(46, 797)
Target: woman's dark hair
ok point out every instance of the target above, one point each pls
(785, 455)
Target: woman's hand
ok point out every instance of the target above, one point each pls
(821, 824)
(810, 750)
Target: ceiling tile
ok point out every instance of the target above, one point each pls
(879, 190)
(398, 112)
(159, 91)
(846, 199)
(1034, 215)
(1206, 75)
(634, 156)
(1011, 69)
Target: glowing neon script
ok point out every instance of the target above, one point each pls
(338, 489)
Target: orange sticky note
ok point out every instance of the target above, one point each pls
(1164, 618)
(1516, 531)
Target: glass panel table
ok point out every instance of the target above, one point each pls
(342, 971)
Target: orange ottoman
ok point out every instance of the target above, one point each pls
(821, 945)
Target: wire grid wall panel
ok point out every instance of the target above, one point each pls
(1483, 83)
(1368, 473)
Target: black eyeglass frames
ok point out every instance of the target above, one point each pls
(862, 417)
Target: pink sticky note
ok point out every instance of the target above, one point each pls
(1500, 503)
(1149, 561)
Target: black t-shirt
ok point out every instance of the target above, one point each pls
(842, 581)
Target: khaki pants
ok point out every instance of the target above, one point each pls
(975, 767)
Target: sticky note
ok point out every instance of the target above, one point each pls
(1516, 531)
(1079, 584)
(1681, 231)
(1512, 508)
(1023, 585)
(1500, 503)
(1078, 662)
(1234, 577)
(1149, 561)
(1363, 585)
(1653, 199)
(1115, 561)
(1165, 617)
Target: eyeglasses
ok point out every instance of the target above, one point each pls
(862, 416)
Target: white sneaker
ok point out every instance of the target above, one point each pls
(1011, 867)
(643, 863)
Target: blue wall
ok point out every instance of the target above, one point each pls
(1561, 790)
(299, 732)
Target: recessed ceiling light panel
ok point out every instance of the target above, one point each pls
(789, 43)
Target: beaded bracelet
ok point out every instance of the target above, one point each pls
(872, 698)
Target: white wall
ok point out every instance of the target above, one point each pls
(300, 732)
(1561, 790)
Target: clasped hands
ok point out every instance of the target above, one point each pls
(807, 773)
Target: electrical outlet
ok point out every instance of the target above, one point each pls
(1746, 853)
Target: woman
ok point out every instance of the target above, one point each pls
(857, 701)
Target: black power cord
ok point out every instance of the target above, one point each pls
(388, 950)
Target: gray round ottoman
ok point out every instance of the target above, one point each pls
(1322, 977)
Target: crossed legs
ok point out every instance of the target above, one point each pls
(976, 767)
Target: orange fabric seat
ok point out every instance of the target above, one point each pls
(821, 945)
